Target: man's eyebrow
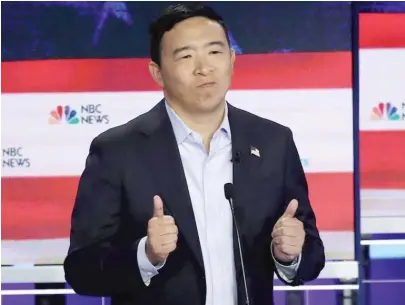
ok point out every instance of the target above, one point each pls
(216, 43)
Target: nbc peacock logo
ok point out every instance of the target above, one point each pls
(63, 113)
(385, 111)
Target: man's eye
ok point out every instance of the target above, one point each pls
(186, 56)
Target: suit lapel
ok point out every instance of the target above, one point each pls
(163, 157)
(241, 146)
(244, 172)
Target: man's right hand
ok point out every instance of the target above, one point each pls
(162, 234)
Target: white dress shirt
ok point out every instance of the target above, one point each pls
(206, 173)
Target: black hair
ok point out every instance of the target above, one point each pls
(175, 14)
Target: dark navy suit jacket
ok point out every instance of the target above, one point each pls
(129, 164)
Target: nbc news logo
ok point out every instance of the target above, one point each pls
(388, 111)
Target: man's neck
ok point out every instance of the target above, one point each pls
(205, 124)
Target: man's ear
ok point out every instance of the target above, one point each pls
(233, 57)
(156, 73)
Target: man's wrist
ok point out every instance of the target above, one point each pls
(288, 263)
(282, 262)
(152, 258)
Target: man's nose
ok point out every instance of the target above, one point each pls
(203, 67)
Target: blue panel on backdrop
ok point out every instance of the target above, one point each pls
(88, 29)
(391, 291)
(17, 299)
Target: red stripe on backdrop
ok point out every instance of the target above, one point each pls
(43, 210)
(263, 71)
(385, 30)
(382, 159)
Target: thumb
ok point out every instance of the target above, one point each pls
(291, 209)
(157, 206)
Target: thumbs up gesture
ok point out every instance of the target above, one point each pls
(162, 234)
(288, 235)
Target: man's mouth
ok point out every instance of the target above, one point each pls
(206, 85)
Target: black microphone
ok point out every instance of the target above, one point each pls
(236, 159)
(228, 189)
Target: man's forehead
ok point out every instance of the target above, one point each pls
(195, 30)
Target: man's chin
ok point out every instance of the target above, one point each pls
(211, 103)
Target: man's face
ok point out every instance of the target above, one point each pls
(196, 65)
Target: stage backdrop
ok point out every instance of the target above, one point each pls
(382, 122)
(72, 70)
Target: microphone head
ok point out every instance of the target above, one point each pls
(228, 189)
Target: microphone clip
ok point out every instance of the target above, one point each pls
(236, 158)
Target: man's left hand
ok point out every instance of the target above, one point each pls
(288, 235)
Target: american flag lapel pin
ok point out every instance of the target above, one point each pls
(254, 151)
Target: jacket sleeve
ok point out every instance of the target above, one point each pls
(296, 187)
(96, 264)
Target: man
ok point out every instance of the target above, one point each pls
(151, 224)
